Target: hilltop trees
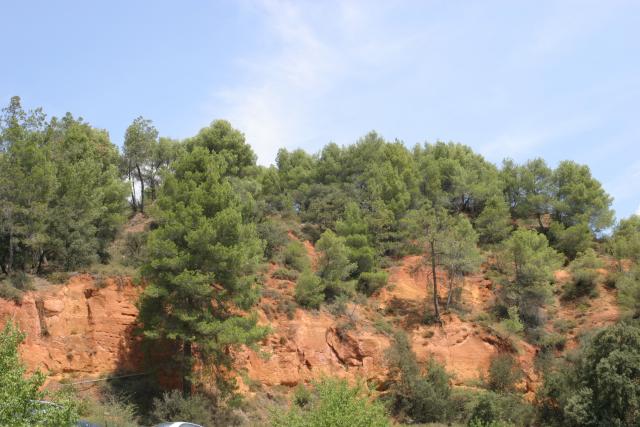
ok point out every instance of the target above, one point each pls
(202, 261)
(139, 144)
(61, 200)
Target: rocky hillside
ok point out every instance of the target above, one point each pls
(85, 329)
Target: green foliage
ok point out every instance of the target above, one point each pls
(414, 396)
(500, 410)
(628, 286)
(625, 241)
(571, 240)
(21, 401)
(109, 410)
(529, 260)
(512, 323)
(569, 194)
(355, 232)
(274, 233)
(334, 266)
(134, 247)
(285, 274)
(295, 256)
(370, 282)
(504, 373)
(334, 404)
(598, 387)
(584, 275)
(494, 222)
(199, 409)
(455, 177)
(62, 199)
(310, 291)
(202, 251)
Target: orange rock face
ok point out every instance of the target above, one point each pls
(77, 329)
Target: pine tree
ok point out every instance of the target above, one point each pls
(202, 262)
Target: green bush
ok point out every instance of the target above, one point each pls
(309, 290)
(504, 373)
(295, 256)
(334, 403)
(285, 274)
(414, 396)
(629, 292)
(198, 408)
(58, 277)
(22, 281)
(134, 247)
(583, 283)
(274, 234)
(109, 410)
(370, 283)
(8, 292)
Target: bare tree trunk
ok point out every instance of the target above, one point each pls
(141, 188)
(186, 369)
(436, 307)
(451, 277)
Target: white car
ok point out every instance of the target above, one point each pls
(177, 424)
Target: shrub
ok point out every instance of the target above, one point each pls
(285, 274)
(309, 290)
(58, 277)
(173, 406)
(504, 373)
(584, 275)
(414, 396)
(629, 292)
(8, 292)
(134, 247)
(274, 233)
(335, 403)
(369, 283)
(295, 256)
(22, 281)
(109, 411)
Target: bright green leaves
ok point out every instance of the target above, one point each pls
(20, 395)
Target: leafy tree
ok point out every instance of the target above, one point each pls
(529, 189)
(229, 144)
(335, 403)
(570, 240)
(629, 292)
(355, 232)
(139, 146)
(161, 155)
(450, 242)
(494, 222)
(531, 262)
(625, 240)
(21, 401)
(89, 204)
(600, 387)
(295, 256)
(584, 272)
(455, 177)
(580, 198)
(459, 254)
(309, 290)
(334, 266)
(202, 262)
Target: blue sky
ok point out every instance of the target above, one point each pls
(555, 79)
